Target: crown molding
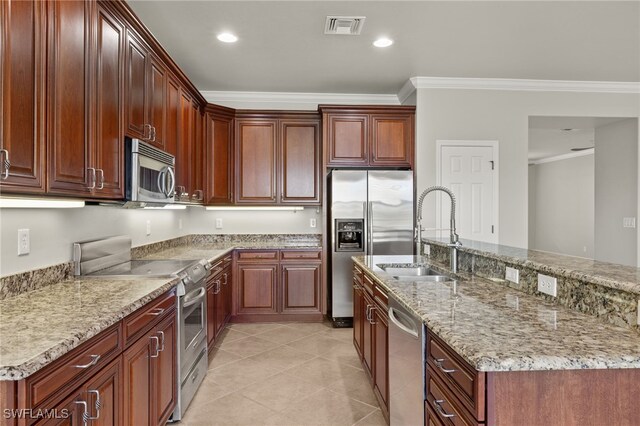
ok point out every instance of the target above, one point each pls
(406, 90)
(582, 153)
(294, 100)
(524, 84)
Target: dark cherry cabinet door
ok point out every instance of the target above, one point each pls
(184, 153)
(381, 356)
(156, 102)
(227, 287)
(22, 94)
(108, 146)
(257, 288)
(367, 336)
(256, 161)
(391, 140)
(107, 387)
(221, 306)
(358, 317)
(347, 139)
(219, 159)
(299, 162)
(136, 87)
(197, 155)
(73, 408)
(300, 287)
(172, 126)
(69, 108)
(211, 312)
(137, 383)
(164, 373)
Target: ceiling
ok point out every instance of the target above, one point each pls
(550, 136)
(282, 47)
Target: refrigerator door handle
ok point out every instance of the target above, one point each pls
(370, 228)
(365, 216)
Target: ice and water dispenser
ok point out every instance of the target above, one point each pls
(349, 234)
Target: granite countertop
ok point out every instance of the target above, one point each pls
(39, 327)
(612, 275)
(496, 328)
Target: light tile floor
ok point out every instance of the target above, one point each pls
(285, 374)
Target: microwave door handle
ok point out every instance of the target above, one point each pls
(160, 181)
(172, 181)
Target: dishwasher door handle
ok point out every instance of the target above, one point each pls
(397, 322)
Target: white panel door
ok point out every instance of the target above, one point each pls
(469, 172)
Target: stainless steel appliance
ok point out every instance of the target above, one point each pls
(406, 366)
(111, 258)
(150, 175)
(371, 213)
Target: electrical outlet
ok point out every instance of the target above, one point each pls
(23, 242)
(512, 274)
(312, 222)
(426, 249)
(548, 285)
(148, 227)
(218, 223)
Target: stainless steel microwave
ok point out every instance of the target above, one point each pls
(150, 175)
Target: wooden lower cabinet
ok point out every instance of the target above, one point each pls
(257, 288)
(358, 316)
(149, 376)
(218, 301)
(300, 287)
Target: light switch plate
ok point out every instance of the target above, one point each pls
(312, 222)
(426, 249)
(218, 223)
(548, 285)
(512, 274)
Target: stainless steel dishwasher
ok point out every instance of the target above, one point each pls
(406, 366)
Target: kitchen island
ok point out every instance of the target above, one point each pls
(527, 360)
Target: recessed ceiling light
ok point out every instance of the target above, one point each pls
(227, 37)
(383, 42)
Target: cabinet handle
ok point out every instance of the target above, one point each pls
(156, 312)
(198, 195)
(98, 404)
(161, 333)
(440, 410)
(226, 278)
(85, 413)
(94, 361)
(371, 320)
(439, 361)
(6, 164)
(144, 132)
(157, 346)
(217, 289)
(367, 313)
(101, 178)
(153, 132)
(92, 171)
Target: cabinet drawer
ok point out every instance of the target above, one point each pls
(357, 274)
(444, 406)
(368, 284)
(216, 266)
(381, 298)
(300, 255)
(257, 255)
(136, 324)
(467, 384)
(75, 367)
(431, 418)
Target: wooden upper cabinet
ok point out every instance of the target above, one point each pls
(300, 161)
(172, 127)
(157, 102)
(368, 136)
(219, 156)
(108, 144)
(347, 140)
(69, 108)
(22, 95)
(256, 161)
(197, 155)
(184, 151)
(137, 55)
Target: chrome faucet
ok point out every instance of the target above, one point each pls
(454, 240)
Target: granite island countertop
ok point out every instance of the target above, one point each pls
(40, 326)
(496, 328)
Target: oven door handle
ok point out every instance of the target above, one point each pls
(191, 298)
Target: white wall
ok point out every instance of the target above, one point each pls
(561, 208)
(616, 183)
(203, 221)
(53, 231)
(503, 116)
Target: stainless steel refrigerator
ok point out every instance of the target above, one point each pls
(371, 214)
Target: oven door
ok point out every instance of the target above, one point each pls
(152, 180)
(193, 326)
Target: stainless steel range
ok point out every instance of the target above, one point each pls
(111, 258)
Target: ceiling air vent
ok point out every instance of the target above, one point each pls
(344, 25)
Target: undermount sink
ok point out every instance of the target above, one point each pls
(413, 272)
